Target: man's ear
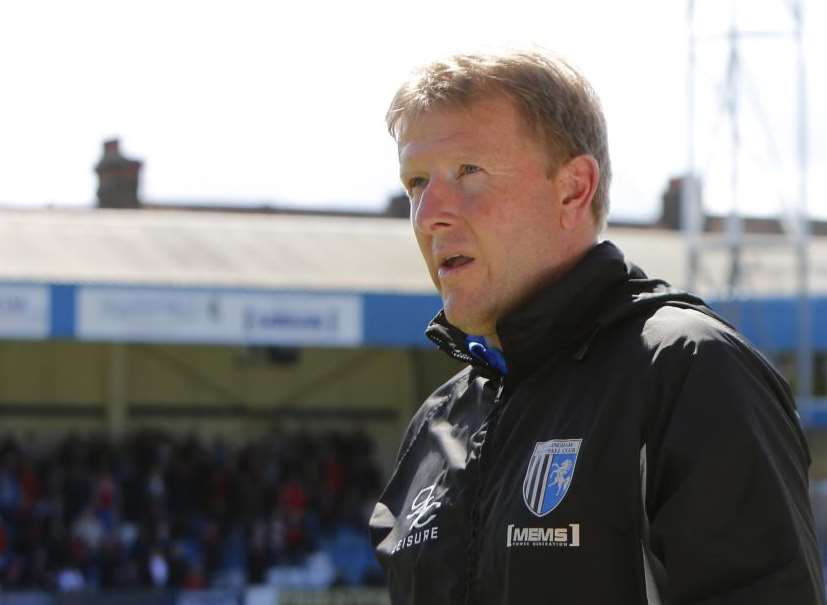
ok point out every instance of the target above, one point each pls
(578, 180)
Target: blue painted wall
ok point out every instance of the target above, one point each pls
(771, 324)
(399, 320)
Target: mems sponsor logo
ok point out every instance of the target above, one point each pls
(562, 537)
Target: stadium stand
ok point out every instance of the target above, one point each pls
(156, 512)
(233, 322)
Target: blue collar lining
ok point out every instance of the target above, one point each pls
(479, 349)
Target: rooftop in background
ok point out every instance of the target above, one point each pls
(128, 241)
(285, 252)
(119, 182)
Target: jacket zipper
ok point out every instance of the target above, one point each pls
(447, 346)
(472, 553)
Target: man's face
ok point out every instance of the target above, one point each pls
(486, 213)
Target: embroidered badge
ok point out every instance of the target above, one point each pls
(549, 474)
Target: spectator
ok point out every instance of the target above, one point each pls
(158, 512)
(158, 569)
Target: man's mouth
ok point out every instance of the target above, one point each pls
(454, 262)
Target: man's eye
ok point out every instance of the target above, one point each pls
(415, 182)
(468, 169)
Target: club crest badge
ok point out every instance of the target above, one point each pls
(549, 474)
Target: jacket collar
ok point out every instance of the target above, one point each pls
(558, 319)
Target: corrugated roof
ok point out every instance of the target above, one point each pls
(213, 249)
(210, 249)
(768, 262)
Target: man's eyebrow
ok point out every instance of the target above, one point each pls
(467, 153)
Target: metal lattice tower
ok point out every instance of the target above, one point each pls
(736, 94)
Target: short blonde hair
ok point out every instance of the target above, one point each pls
(553, 99)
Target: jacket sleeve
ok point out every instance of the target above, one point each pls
(726, 487)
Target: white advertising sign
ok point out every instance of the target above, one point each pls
(24, 312)
(158, 315)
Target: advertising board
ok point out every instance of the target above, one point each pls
(203, 316)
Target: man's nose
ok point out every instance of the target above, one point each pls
(436, 207)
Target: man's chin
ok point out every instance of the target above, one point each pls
(466, 319)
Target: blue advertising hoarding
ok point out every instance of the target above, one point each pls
(275, 317)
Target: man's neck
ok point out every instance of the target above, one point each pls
(492, 340)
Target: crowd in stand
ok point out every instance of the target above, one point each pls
(159, 512)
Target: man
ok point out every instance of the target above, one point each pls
(610, 440)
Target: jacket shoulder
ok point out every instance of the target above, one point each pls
(696, 360)
(688, 327)
(726, 459)
(435, 404)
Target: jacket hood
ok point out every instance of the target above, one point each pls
(564, 317)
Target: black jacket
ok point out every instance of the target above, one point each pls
(638, 450)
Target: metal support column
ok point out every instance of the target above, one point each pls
(117, 391)
(735, 242)
(804, 353)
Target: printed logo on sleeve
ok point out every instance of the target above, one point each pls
(423, 512)
(422, 505)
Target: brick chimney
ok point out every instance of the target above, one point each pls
(671, 216)
(118, 178)
(672, 202)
